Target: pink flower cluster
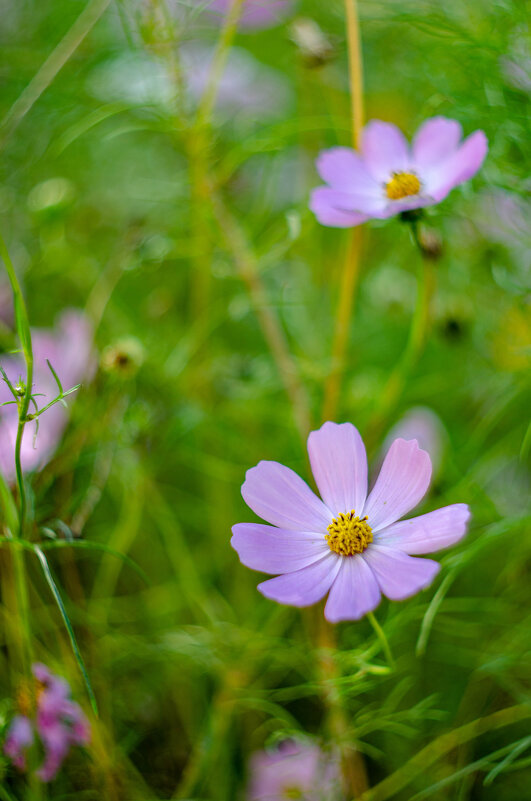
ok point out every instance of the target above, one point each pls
(55, 720)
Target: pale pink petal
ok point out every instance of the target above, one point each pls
(342, 168)
(402, 483)
(279, 496)
(385, 150)
(458, 167)
(354, 592)
(398, 574)
(19, 738)
(351, 201)
(339, 466)
(435, 140)
(394, 207)
(427, 533)
(304, 587)
(276, 550)
(322, 204)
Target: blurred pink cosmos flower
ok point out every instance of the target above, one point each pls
(295, 770)
(422, 424)
(255, 13)
(69, 349)
(54, 718)
(388, 177)
(349, 543)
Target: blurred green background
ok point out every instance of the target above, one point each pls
(106, 205)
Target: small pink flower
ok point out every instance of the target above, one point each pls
(19, 739)
(69, 349)
(351, 543)
(58, 722)
(388, 177)
(255, 13)
(294, 771)
(420, 423)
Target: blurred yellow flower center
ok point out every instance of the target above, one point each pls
(292, 792)
(348, 534)
(402, 184)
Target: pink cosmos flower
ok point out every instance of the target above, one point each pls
(255, 13)
(295, 770)
(420, 423)
(69, 349)
(351, 543)
(388, 177)
(54, 718)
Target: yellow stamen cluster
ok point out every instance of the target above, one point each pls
(348, 534)
(292, 793)
(402, 184)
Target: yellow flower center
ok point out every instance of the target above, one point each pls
(292, 793)
(402, 184)
(348, 534)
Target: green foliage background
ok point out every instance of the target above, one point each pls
(195, 670)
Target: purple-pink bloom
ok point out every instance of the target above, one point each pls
(388, 177)
(19, 739)
(351, 544)
(68, 347)
(255, 13)
(422, 424)
(54, 718)
(294, 770)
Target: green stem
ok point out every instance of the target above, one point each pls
(415, 342)
(24, 333)
(17, 529)
(384, 642)
(228, 32)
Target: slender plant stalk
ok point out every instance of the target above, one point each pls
(352, 764)
(347, 292)
(378, 630)
(351, 267)
(355, 62)
(414, 345)
(24, 333)
(246, 263)
(51, 67)
(228, 32)
(17, 527)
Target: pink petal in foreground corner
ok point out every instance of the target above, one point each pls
(304, 587)
(323, 203)
(339, 466)
(427, 533)
(435, 140)
(384, 149)
(458, 167)
(279, 496)
(354, 592)
(342, 168)
(276, 550)
(402, 483)
(398, 574)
